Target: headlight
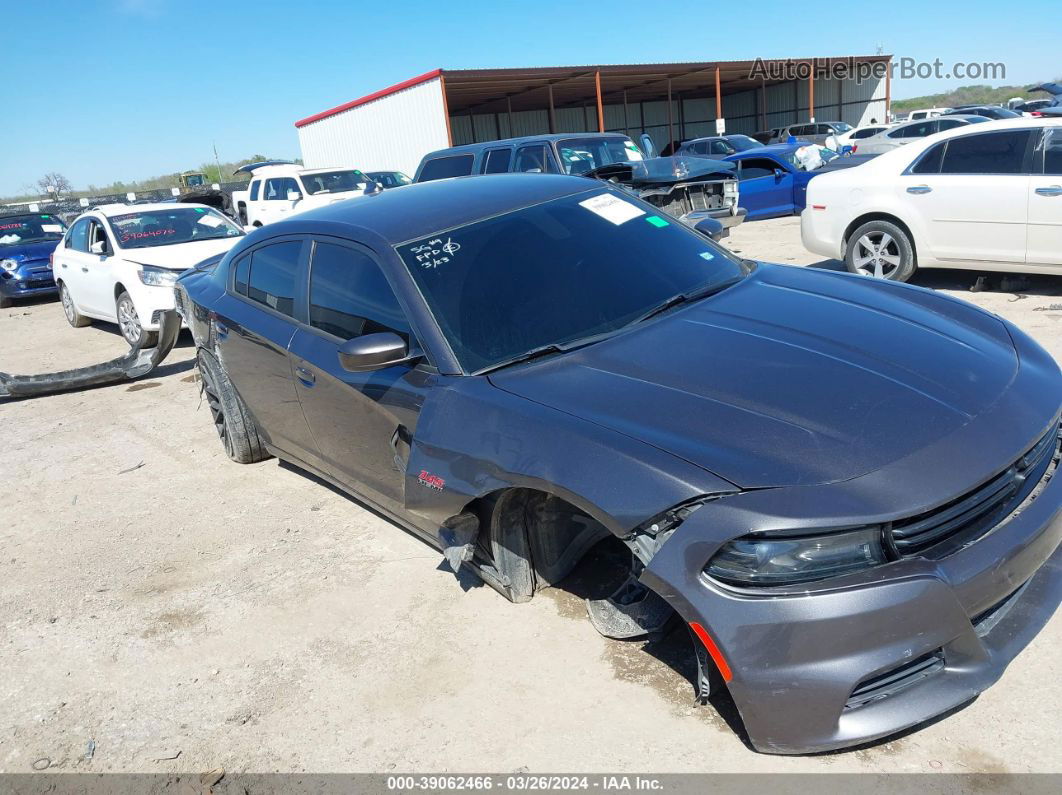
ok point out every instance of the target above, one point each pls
(758, 560)
(157, 277)
(730, 186)
(8, 264)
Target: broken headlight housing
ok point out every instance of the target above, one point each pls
(766, 560)
(10, 265)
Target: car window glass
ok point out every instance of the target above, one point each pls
(823, 129)
(255, 185)
(349, 295)
(930, 161)
(444, 167)
(986, 153)
(860, 134)
(757, 167)
(949, 124)
(243, 267)
(276, 189)
(1052, 146)
(98, 235)
(78, 239)
(273, 272)
(535, 158)
(496, 161)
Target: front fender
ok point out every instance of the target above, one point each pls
(473, 439)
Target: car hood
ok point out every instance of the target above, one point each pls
(656, 170)
(791, 377)
(181, 255)
(28, 251)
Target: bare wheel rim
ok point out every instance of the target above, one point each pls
(877, 254)
(129, 321)
(68, 304)
(217, 412)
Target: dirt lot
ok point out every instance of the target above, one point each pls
(185, 613)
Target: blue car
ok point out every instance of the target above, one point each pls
(26, 244)
(771, 181)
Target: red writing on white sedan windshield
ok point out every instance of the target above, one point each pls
(126, 236)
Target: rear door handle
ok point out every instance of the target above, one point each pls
(1050, 190)
(919, 189)
(62, 264)
(305, 376)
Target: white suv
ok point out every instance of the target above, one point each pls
(118, 262)
(984, 197)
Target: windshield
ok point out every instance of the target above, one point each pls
(558, 272)
(580, 155)
(16, 230)
(743, 143)
(170, 227)
(390, 179)
(334, 181)
(841, 127)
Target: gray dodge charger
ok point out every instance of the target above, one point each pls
(844, 489)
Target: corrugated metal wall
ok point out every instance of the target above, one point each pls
(390, 133)
(745, 112)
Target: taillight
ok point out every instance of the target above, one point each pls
(1036, 113)
(854, 147)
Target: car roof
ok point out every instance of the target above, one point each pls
(462, 148)
(426, 207)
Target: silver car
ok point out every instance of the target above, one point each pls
(895, 137)
(817, 132)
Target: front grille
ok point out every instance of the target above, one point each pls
(974, 514)
(32, 284)
(896, 679)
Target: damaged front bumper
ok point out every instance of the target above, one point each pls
(135, 364)
(840, 662)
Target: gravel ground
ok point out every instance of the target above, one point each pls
(183, 613)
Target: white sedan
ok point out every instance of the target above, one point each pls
(904, 134)
(984, 197)
(118, 263)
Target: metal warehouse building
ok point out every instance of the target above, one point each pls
(393, 128)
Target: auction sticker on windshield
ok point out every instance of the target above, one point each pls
(612, 208)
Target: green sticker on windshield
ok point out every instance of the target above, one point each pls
(200, 210)
(656, 220)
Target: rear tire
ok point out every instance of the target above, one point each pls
(130, 324)
(880, 249)
(73, 317)
(5, 302)
(234, 424)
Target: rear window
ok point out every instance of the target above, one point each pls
(445, 167)
(274, 270)
(987, 153)
(497, 161)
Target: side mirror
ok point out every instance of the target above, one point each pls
(294, 195)
(712, 228)
(778, 173)
(647, 145)
(99, 247)
(373, 352)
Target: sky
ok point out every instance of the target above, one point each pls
(105, 90)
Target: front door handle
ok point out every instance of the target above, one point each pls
(919, 189)
(84, 269)
(1050, 190)
(62, 264)
(305, 376)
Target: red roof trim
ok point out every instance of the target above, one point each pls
(413, 81)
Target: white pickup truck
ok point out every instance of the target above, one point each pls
(277, 191)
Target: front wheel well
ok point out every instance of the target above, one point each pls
(877, 216)
(119, 288)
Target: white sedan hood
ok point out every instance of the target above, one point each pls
(179, 256)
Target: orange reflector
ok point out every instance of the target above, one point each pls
(713, 650)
